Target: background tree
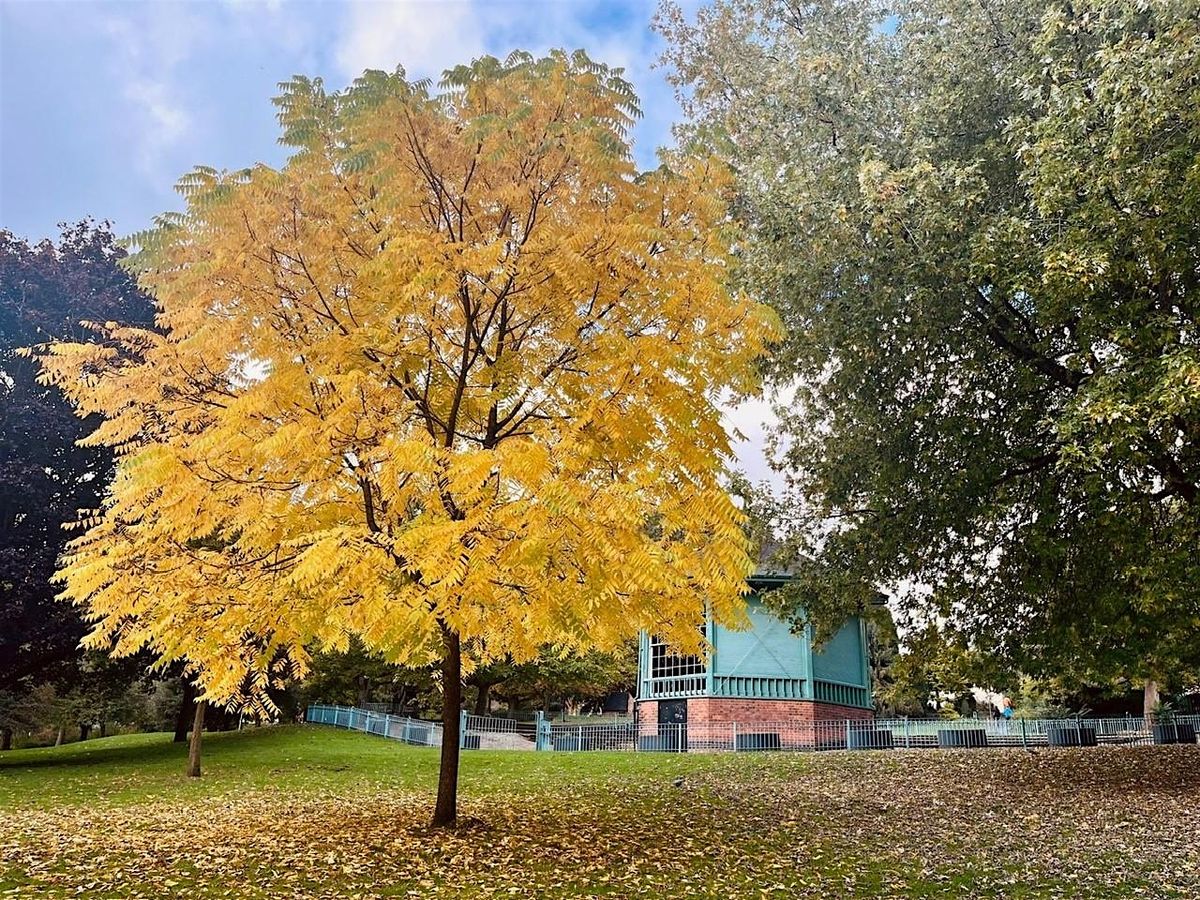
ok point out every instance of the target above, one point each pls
(357, 676)
(570, 679)
(933, 672)
(425, 385)
(486, 677)
(46, 290)
(980, 224)
(883, 654)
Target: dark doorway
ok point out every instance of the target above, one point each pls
(672, 725)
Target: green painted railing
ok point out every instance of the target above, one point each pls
(841, 693)
(758, 687)
(763, 687)
(677, 686)
(400, 728)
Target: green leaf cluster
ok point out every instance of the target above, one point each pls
(980, 224)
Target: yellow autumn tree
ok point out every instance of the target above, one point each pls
(448, 378)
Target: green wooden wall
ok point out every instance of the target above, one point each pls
(768, 661)
(841, 657)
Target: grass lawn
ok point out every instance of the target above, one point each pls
(316, 812)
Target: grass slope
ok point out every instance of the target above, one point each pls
(308, 812)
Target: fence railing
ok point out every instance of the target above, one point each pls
(690, 685)
(495, 733)
(400, 728)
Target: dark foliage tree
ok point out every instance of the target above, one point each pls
(46, 290)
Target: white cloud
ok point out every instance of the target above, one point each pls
(155, 53)
(239, 6)
(145, 56)
(424, 37)
(164, 121)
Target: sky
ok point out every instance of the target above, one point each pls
(104, 104)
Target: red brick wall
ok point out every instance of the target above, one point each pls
(645, 711)
(703, 710)
(823, 712)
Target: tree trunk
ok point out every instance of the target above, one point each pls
(85, 728)
(184, 717)
(6, 735)
(445, 814)
(1150, 699)
(483, 699)
(58, 738)
(193, 763)
(103, 728)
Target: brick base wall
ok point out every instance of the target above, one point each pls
(705, 710)
(645, 711)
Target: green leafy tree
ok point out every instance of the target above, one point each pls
(980, 224)
(571, 679)
(24, 710)
(356, 677)
(932, 671)
(483, 679)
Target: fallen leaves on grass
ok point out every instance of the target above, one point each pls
(1100, 822)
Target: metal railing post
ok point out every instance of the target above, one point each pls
(1024, 738)
(462, 729)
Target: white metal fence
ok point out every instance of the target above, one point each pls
(494, 733)
(1045, 732)
(399, 728)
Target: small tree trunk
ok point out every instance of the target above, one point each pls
(193, 763)
(103, 728)
(183, 717)
(85, 728)
(483, 699)
(6, 735)
(58, 738)
(1150, 699)
(445, 814)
